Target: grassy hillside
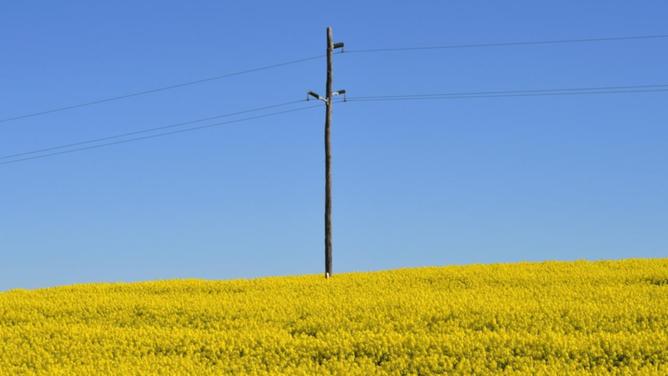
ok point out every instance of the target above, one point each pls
(552, 317)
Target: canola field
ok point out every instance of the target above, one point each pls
(605, 317)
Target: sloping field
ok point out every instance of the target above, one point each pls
(553, 317)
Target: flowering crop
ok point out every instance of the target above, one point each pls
(527, 318)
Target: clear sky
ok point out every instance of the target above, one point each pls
(415, 183)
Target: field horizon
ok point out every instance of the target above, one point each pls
(346, 273)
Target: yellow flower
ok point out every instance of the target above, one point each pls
(526, 318)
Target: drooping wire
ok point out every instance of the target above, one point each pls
(162, 134)
(147, 130)
(156, 90)
(508, 44)
(515, 93)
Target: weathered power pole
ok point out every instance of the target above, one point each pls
(328, 99)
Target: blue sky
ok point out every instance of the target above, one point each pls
(415, 183)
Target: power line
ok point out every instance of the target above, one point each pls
(627, 89)
(515, 93)
(157, 135)
(432, 97)
(158, 89)
(297, 61)
(147, 130)
(590, 88)
(510, 44)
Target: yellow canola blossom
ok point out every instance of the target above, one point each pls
(555, 318)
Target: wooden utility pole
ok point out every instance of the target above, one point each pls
(329, 101)
(328, 158)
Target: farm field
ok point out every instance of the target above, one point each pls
(526, 318)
